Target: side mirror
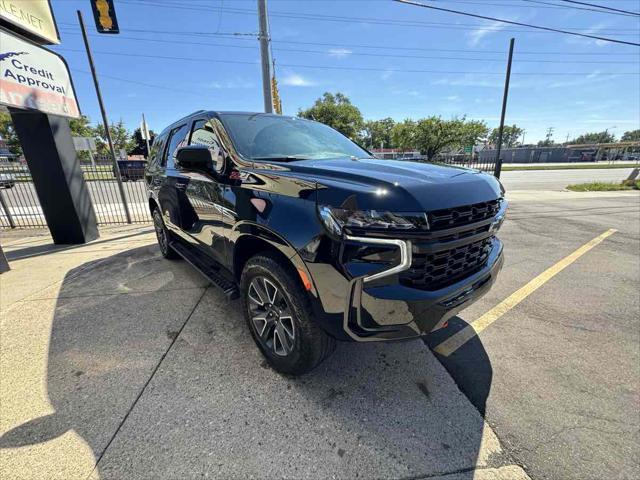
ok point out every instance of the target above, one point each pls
(195, 157)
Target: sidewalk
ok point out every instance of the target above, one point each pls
(116, 363)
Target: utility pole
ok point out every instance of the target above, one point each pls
(498, 167)
(523, 133)
(263, 24)
(105, 121)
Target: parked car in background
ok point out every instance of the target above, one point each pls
(319, 239)
(132, 170)
(7, 180)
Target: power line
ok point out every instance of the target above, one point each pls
(343, 19)
(345, 45)
(549, 29)
(628, 12)
(576, 8)
(387, 55)
(337, 67)
(135, 82)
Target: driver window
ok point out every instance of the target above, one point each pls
(203, 134)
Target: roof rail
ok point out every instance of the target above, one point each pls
(188, 116)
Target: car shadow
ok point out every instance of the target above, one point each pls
(211, 404)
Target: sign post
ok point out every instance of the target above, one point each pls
(105, 121)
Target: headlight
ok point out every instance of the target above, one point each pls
(335, 219)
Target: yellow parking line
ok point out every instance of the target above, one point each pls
(455, 341)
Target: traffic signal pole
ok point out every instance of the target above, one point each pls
(498, 168)
(105, 121)
(263, 24)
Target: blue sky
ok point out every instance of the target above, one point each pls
(390, 59)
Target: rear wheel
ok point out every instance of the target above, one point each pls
(279, 316)
(163, 236)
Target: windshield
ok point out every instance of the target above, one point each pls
(264, 137)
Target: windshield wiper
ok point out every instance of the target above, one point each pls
(289, 158)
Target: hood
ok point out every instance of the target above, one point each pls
(395, 185)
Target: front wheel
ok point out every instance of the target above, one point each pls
(279, 316)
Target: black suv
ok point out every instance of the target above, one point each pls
(320, 240)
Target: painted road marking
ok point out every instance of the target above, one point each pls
(455, 341)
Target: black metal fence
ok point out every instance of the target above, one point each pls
(20, 207)
(486, 163)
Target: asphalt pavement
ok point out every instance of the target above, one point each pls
(116, 364)
(558, 375)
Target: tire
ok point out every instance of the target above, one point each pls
(163, 236)
(289, 338)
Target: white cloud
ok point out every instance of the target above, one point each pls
(453, 98)
(235, 83)
(594, 30)
(295, 80)
(387, 74)
(339, 52)
(476, 36)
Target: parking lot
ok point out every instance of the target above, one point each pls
(119, 364)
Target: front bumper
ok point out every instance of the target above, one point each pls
(378, 307)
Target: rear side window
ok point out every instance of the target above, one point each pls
(157, 149)
(177, 139)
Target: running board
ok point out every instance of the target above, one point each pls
(210, 273)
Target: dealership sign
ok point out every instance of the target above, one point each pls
(34, 17)
(34, 78)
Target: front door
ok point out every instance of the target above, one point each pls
(205, 194)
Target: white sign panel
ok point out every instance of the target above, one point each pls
(84, 144)
(32, 16)
(34, 78)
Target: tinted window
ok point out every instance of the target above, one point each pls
(177, 139)
(264, 136)
(157, 147)
(203, 134)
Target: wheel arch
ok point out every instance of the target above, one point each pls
(264, 241)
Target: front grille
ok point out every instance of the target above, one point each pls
(432, 271)
(458, 216)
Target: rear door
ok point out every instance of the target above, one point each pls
(176, 209)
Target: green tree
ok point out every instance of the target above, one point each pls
(433, 134)
(379, 131)
(631, 136)
(510, 136)
(81, 127)
(471, 132)
(404, 135)
(595, 137)
(140, 145)
(337, 111)
(121, 137)
(9, 135)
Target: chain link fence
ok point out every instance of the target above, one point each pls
(20, 206)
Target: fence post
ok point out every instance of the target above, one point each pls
(6, 210)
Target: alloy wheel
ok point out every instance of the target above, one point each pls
(271, 316)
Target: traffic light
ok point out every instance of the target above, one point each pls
(104, 13)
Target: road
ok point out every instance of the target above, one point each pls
(558, 375)
(559, 179)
